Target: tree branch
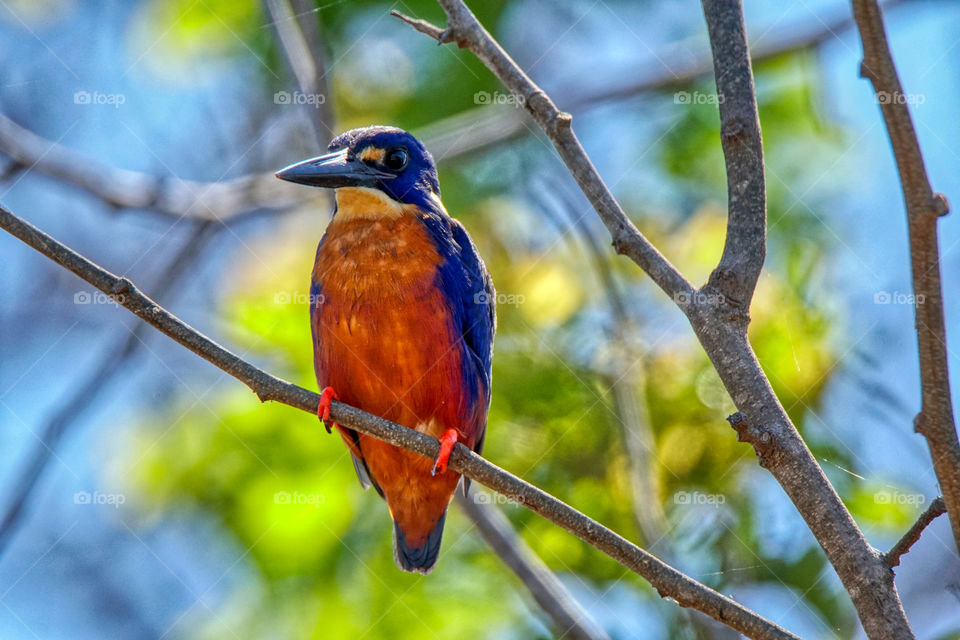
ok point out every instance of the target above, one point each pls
(570, 620)
(669, 582)
(464, 29)
(135, 190)
(745, 247)
(723, 334)
(936, 509)
(762, 421)
(924, 207)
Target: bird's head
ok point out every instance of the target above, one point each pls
(387, 160)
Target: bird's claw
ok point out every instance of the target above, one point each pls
(323, 409)
(447, 441)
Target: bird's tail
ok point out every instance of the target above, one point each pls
(417, 559)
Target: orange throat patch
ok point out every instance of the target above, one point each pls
(363, 203)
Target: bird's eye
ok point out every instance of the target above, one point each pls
(396, 160)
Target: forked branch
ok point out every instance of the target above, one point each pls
(936, 509)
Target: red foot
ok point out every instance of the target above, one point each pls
(447, 440)
(323, 409)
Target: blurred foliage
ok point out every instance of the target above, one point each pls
(287, 492)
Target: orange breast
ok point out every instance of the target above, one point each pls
(384, 339)
(385, 336)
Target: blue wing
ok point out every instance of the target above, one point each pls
(479, 319)
(467, 284)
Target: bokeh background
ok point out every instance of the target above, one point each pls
(144, 494)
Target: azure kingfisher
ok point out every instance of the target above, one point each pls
(403, 321)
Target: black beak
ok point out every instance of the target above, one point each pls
(333, 170)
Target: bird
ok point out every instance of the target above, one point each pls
(402, 314)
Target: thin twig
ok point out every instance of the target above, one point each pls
(669, 582)
(570, 620)
(924, 208)
(310, 25)
(720, 326)
(936, 509)
(424, 27)
(745, 248)
(304, 55)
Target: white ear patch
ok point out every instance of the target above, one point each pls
(437, 202)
